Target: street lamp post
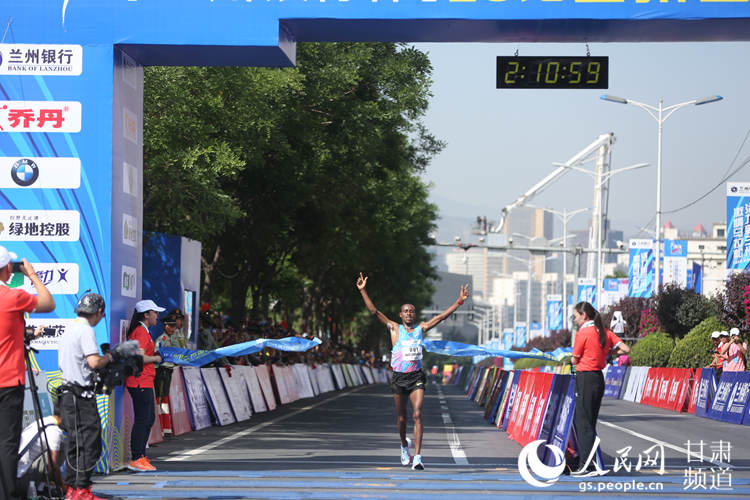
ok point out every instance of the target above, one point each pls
(658, 114)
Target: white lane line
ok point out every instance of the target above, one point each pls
(450, 432)
(183, 455)
(666, 445)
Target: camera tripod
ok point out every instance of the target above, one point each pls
(55, 491)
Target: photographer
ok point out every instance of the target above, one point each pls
(141, 388)
(735, 351)
(78, 357)
(33, 461)
(14, 302)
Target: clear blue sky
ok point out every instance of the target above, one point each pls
(501, 142)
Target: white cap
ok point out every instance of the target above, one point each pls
(147, 305)
(6, 256)
(724, 333)
(715, 334)
(734, 331)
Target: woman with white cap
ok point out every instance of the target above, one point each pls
(141, 388)
(735, 351)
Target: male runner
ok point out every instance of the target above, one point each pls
(408, 380)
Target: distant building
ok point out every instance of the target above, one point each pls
(457, 327)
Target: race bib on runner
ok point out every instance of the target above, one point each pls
(411, 350)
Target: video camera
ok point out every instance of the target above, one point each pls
(28, 333)
(126, 361)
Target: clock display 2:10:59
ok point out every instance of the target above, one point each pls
(552, 72)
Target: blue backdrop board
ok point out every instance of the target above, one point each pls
(641, 268)
(738, 399)
(161, 273)
(724, 391)
(738, 225)
(613, 381)
(511, 399)
(564, 421)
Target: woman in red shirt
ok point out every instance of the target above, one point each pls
(592, 345)
(141, 388)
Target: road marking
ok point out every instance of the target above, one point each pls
(450, 432)
(666, 445)
(183, 455)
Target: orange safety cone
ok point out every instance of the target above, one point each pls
(164, 416)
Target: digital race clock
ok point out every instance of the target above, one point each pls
(552, 72)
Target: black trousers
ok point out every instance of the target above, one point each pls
(81, 422)
(143, 419)
(589, 394)
(11, 418)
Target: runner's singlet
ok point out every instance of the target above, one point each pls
(406, 355)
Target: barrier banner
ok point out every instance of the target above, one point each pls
(265, 386)
(338, 377)
(679, 390)
(557, 392)
(625, 381)
(253, 388)
(304, 386)
(542, 383)
(737, 402)
(520, 404)
(217, 397)
(187, 357)
(178, 405)
(511, 399)
(313, 379)
(613, 381)
(196, 393)
(325, 378)
(564, 421)
(291, 383)
(723, 393)
(235, 388)
(499, 393)
(636, 383)
(368, 374)
(281, 385)
(504, 399)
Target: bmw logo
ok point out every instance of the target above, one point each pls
(24, 172)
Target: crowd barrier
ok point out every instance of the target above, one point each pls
(538, 405)
(529, 405)
(202, 397)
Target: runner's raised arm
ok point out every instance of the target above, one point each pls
(463, 294)
(361, 284)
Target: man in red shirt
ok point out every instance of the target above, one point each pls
(14, 302)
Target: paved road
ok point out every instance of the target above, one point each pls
(344, 445)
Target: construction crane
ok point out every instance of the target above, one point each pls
(603, 142)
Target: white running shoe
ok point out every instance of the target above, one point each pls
(405, 457)
(417, 463)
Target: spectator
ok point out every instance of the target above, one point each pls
(32, 453)
(735, 351)
(14, 302)
(180, 339)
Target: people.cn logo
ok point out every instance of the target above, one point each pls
(24, 172)
(529, 464)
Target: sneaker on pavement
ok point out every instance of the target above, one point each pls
(145, 461)
(138, 466)
(405, 457)
(86, 494)
(417, 463)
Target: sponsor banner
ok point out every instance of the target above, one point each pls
(511, 400)
(239, 400)
(675, 263)
(613, 290)
(738, 225)
(39, 225)
(724, 392)
(554, 312)
(738, 398)
(178, 406)
(129, 230)
(557, 391)
(587, 291)
(519, 339)
(561, 432)
(40, 116)
(265, 386)
(508, 339)
(40, 59)
(613, 381)
(641, 268)
(40, 173)
(217, 396)
(60, 325)
(128, 282)
(59, 278)
(200, 417)
(253, 387)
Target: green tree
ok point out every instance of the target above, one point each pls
(296, 179)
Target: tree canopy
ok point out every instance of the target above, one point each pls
(296, 179)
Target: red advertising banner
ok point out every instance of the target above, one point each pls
(667, 388)
(529, 406)
(520, 402)
(178, 407)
